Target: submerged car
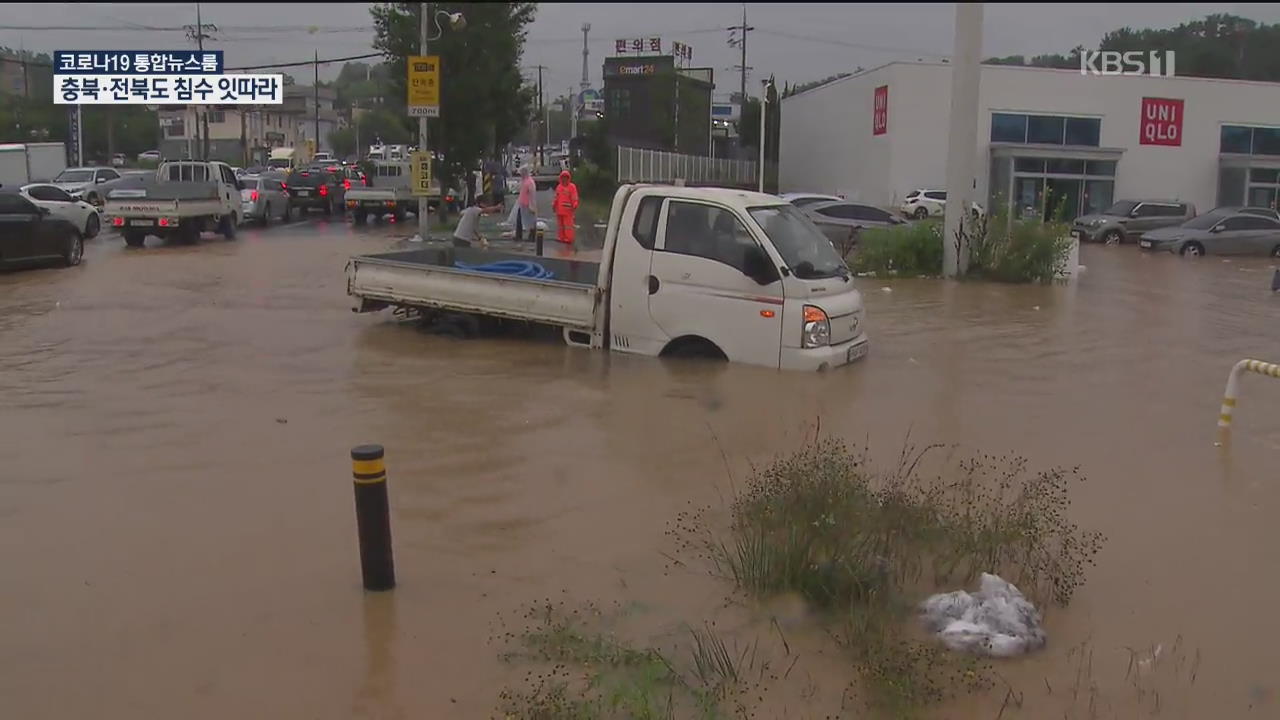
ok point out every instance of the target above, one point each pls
(1225, 231)
(1130, 220)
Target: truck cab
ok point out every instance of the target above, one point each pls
(712, 271)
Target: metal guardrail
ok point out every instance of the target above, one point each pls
(1229, 396)
(638, 165)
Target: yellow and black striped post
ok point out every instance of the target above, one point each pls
(373, 517)
(488, 188)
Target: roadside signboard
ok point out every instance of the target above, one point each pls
(420, 169)
(424, 86)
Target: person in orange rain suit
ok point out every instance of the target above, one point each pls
(565, 205)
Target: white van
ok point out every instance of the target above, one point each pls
(684, 271)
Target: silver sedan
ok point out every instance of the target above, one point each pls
(840, 221)
(263, 198)
(1226, 231)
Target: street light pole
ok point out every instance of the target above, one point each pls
(424, 23)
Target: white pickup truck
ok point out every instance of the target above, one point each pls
(684, 271)
(388, 192)
(182, 199)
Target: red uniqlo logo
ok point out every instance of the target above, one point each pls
(1161, 122)
(880, 121)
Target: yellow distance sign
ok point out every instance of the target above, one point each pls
(424, 85)
(420, 169)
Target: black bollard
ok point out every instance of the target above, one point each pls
(373, 517)
(537, 234)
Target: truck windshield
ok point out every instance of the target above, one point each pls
(803, 247)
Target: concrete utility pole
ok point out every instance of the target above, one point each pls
(741, 42)
(315, 95)
(576, 100)
(197, 33)
(204, 115)
(542, 159)
(962, 140)
(423, 23)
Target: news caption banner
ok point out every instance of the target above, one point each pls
(157, 77)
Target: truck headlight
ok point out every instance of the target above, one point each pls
(817, 328)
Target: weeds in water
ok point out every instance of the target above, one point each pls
(863, 546)
(594, 675)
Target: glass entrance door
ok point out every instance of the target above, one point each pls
(1062, 201)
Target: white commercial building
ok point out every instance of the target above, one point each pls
(1085, 139)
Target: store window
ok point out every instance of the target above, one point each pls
(1045, 129)
(1266, 141)
(1236, 139)
(1246, 140)
(1008, 128)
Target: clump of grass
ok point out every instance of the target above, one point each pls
(1007, 249)
(591, 674)
(865, 546)
(912, 250)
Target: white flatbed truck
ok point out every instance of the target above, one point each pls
(684, 271)
(182, 199)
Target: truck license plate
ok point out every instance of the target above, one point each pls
(858, 351)
(142, 223)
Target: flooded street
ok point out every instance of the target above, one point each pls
(177, 536)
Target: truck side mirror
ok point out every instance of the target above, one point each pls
(757, 266)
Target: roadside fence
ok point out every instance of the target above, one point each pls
(638, 165)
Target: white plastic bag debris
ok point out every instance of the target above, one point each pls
(996, 621)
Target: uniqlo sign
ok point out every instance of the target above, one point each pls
(1161, 122)
(880, 120)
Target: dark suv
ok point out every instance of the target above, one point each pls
(318, 187)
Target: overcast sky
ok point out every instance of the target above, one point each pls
(795, 42)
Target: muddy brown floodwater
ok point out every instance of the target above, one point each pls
(176, 523)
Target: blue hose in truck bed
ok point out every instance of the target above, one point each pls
(517, 268)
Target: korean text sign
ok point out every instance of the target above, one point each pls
(157, 77)
(1161, 121)
(424, 85)
(420, 169)
(880, 117)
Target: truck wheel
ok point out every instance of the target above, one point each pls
(359, 216)
(227, 227)
(135, 239)
(920, 213)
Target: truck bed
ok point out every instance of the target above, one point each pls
(428, 278)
